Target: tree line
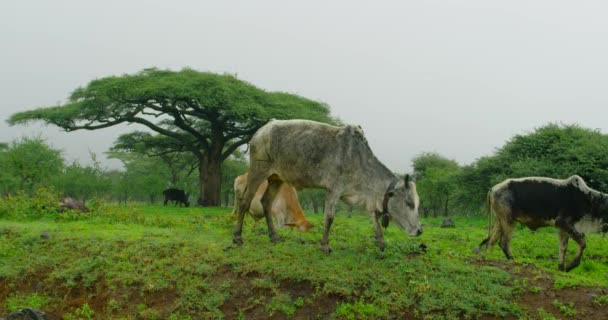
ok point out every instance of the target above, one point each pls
(207, 115)
(554, 150)
(198, 122)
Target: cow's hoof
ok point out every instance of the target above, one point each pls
(571, 266)
(326, 249)
(237, 241)
(422, 247)
(276, 239)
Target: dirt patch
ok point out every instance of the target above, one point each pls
(247, 298)
(103, 300)
(535, 292)
(250, 299)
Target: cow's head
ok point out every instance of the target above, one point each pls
(403, 203)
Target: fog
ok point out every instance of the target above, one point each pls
(454, 77)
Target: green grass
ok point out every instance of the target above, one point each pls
(139, 251)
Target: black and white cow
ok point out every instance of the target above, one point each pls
(308, 154)
(568, 204)
(177, 195)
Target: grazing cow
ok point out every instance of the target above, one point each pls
(285, 208)
(308, 154)
(569, 205)
(177, 195)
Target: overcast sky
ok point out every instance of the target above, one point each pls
(454, 77)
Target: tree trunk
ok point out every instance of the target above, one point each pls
(210, 179)
(445, 208)
(226, 198)
(315, 206)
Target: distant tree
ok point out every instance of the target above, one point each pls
(28, 163)
(553, 150)
(436, 181)
(179, 163)
(83, 182)
(207, 114)
(312, 199)
(8, 180)
(232, 168)
(145, 177)
(559, 151)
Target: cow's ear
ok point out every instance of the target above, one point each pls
(407, 180)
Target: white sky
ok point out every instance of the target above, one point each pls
(454, 77)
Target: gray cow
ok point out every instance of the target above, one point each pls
(308, 154)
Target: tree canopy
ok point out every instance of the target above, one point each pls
(207, 114)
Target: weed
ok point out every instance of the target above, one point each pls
(601, 300)
(565, 309)
(281, 302)
(544, 315)
(35, 300)
(359, 310)
(82, 313)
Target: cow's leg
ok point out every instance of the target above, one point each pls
(253, 182)
(506, 233)
(505, 244)
(568, 227)
(563, 247)
(165, 202)
(330, 209)
(267, 199)
(378, 231)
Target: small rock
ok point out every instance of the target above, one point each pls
(28, 314)
(71, 203)
(448, 223)
(45, 236)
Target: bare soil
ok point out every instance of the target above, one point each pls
(534, 289)
(537, 291)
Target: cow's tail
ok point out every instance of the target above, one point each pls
(484, 243)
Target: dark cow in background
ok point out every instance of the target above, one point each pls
(177, 195)
(569, 205)
(308, 154)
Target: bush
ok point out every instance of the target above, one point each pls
(22, 207)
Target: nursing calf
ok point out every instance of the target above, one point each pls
(569, 205)
(308, 154)
(285, 209)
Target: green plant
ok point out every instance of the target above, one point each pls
(82, 313)
(565, 309)
(18, 302)
(281, 302)
(358, 310)
(544, 315)
(601, 300)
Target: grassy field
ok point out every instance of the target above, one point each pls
(153, 262)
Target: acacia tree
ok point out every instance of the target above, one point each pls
(207, 114)
(178, 161)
